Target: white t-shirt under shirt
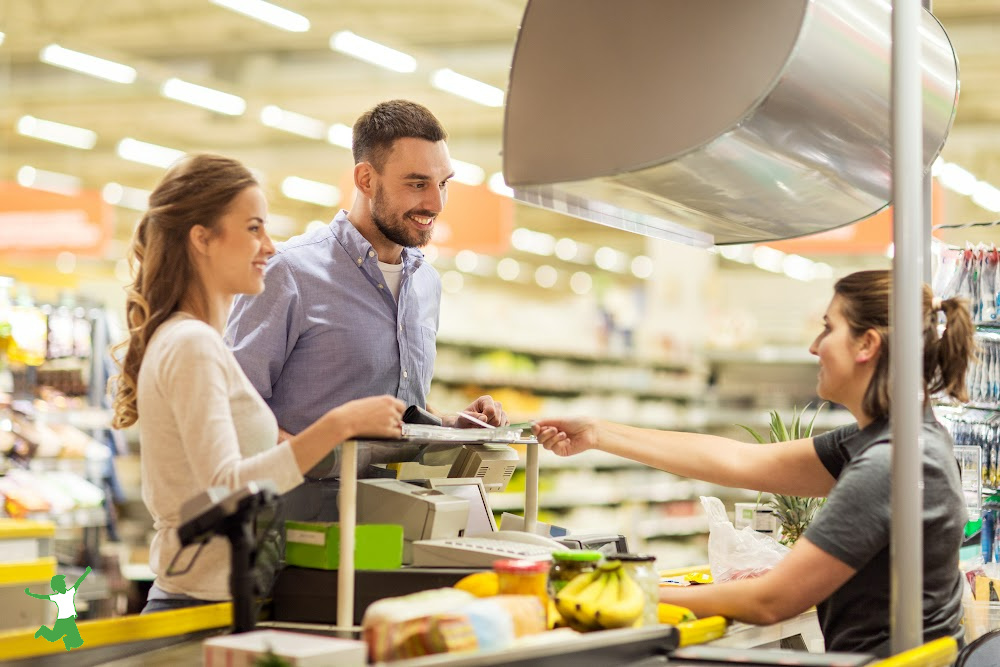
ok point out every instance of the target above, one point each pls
(201, 424)
(393, 274)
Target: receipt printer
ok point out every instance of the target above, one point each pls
(424, 513)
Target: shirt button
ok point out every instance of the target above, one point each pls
(371, 253)
(400, 327)
(380, 285)
(360, 260)
(404, 374)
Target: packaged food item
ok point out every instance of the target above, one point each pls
(523, 577)
(567, 564)
(642, 569)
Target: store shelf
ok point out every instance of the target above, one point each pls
(673, 527)
(765, 354)
(479, 347)
(540, 384)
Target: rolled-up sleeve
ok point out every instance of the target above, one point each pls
(263, 328)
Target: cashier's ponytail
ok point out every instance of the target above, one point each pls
(195, 191)
(865, 297)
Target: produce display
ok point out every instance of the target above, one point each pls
(605, 598)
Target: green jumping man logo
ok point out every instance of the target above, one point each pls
(65, 625)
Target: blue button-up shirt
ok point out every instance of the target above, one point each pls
(327, 330)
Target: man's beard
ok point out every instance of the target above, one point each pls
(396, 229)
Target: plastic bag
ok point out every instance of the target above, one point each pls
(737, 554)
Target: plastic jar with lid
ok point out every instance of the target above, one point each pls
(642, 569)
(568, 564)
(524, 577)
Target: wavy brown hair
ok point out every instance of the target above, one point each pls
(865, 297)
(196, 191)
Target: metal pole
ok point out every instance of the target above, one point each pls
(928, 203)
(905, 341)
(348, 519)
(531, 487)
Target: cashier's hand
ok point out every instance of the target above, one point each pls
(373, 417)
(566, 437)
(484, 409)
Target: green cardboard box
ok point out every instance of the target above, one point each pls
(317, 545)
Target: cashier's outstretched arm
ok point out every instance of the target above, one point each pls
(790, 468)
(806, 576)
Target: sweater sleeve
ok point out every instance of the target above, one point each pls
(195, 379)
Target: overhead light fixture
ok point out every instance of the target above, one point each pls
(347, 42)
(537, 243)
(340, 135)
(53, 54)
(466, 260)
(204, 97)
(57, 133)
(769, 259)
(266, 12)
(581, 282)
(50, 181)
(955, 178)
(126, 197)
(312, 192)
(798, 267)
(546, 276)
(610, 259)
(642, 267)
(452, 82)
(499, 186)
(565, 249)
(508, 269)
(468, 173)
(146, 153)
(986, 196)
(289, 121)
(2, 37)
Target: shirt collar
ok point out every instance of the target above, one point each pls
(358, 246)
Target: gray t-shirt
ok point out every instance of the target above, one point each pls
(854, 527)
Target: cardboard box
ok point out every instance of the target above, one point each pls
(296, 648)
(317, 545)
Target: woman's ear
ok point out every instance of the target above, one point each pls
(199, 236)
(869, 346)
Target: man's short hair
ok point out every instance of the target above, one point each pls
(60, 578)
(377, 129)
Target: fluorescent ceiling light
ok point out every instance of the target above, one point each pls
(1, 37)
(265, 12)
(59, 56)
(580, 282)
(468, 173)
(799, 268)
(546, 276)
(313, 192)
(466, 260)
(565, 249)
(146, 153)
(987, 196)
(50, 181)
(58, 133)
(955, 178)
(289, 121)
(201, 96)
(642, 266)
(499, 186)
(768, 259)
(537, 243)
(340, 135)
(347, 42)
(126, 197)
(452, 82)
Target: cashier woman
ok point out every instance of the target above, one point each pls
(203, 241)
(841, 565)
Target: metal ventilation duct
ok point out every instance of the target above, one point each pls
(713, 121)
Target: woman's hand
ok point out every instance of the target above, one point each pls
(566, 437)
(374, 417)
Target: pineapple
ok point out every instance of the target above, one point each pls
(795, 513)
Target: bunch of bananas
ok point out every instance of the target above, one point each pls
(603, 599)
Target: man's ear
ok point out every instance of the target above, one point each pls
(869, 346)
(363, 178)
(199, 237)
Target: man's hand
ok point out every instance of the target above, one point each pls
(483, 408)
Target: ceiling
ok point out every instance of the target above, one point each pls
(204, 43)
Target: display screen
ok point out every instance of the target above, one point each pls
(480, 515)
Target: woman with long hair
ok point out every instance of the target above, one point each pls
(841, 564)
(201, 423)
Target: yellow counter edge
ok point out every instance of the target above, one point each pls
(938, 653)
(701, 631)
(25, 528)
(29, 572)
(18, 644)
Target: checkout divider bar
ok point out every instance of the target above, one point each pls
(349, 518)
